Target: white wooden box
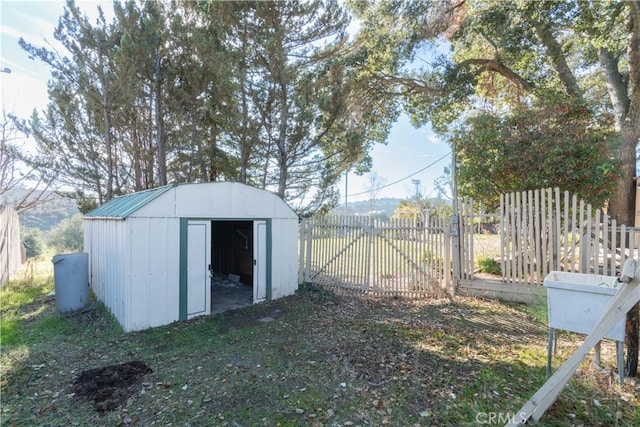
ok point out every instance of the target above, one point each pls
(577, 301)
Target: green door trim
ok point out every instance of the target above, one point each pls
(184, 224)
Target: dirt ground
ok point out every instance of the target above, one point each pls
(111, 386)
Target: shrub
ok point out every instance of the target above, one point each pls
(33, 242)
(489, 265)
(67, 236)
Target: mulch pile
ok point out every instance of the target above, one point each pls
(111, 386)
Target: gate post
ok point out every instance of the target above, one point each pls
(302, 230)
(309, 241)
(455, 238)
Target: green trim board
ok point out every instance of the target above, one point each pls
(184, 224)
(269, 257)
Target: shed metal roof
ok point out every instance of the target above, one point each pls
(123, 206)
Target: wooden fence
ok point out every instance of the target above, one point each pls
(541, 231)
(533, 233)
(392, 257)
(10, 247)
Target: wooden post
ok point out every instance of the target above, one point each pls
(302, 233)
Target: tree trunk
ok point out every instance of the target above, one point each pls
(106, 116)
(630, 135)
(161, 149)
(213, 149)
(282, 141)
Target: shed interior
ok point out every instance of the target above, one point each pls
(231, 264)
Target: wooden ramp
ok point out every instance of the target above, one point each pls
(628, 295)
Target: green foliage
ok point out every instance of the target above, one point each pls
(489, 265)
(33, 241)
(506, 58)
(265, 93)
(550, 145)
(423, 208)
(67, 235)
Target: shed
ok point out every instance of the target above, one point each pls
(152, 254)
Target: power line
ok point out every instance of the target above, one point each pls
(401, 179)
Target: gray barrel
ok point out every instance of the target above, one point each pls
(71, 279)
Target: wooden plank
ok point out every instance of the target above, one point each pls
(552, 231)
(612, 249)
(605, 245)
(447, 260)
(588, 243)
(574, 236)
(484, 288)
(538, 237)
(530, 240)
(307, 273)
(544, 227)
(623, 245)
(558, 234)
(302, 234)
(626, 297)
(518, 241)
(581, 234)
(471, 240)
(503, 240)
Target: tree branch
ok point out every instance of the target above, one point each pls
(633, 49)
(413, 85)
(498, 67)
(559, 61)
(616, 85)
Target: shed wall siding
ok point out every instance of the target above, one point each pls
(284, 264)
(154, 284)
(106, 243)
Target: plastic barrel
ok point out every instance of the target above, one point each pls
(71, 280)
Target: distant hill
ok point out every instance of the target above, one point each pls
(49, 214)
(46, 215)
(380, 208)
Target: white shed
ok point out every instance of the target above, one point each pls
(151, 253)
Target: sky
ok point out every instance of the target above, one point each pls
(405, 158)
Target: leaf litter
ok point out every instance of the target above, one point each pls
(324, 360)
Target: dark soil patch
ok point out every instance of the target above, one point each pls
(111, 386)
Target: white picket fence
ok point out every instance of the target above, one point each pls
(359, 253)
(545, 230)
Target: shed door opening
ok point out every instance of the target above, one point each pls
(238, 264)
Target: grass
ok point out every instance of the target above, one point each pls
(326, 359)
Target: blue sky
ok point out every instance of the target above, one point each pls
(408, 149)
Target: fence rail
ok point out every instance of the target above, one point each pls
(391, 257)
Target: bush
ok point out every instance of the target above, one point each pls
(489, 265)
(33, 242)
(67, 236)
